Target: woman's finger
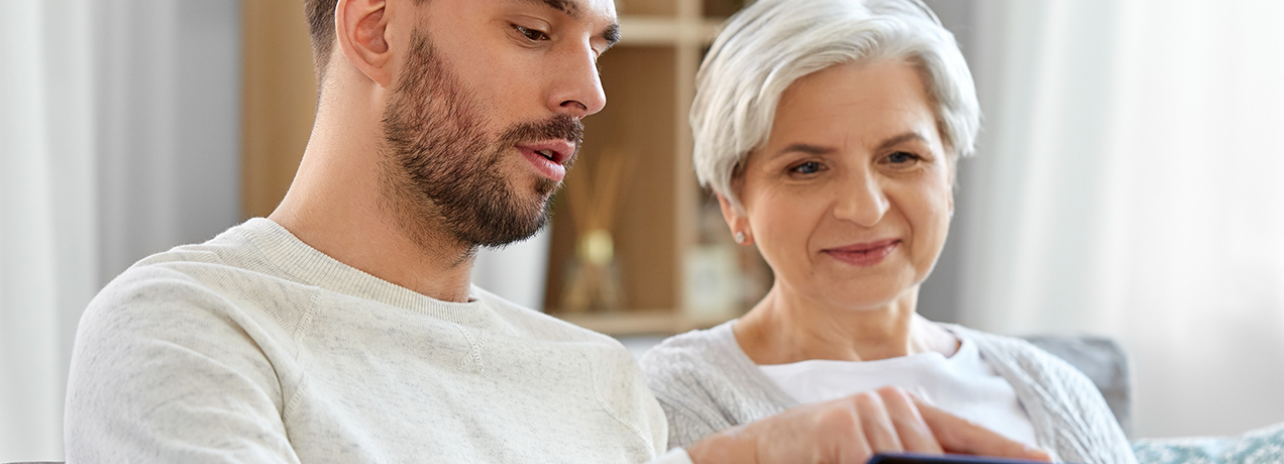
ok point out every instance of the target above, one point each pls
(914, 433)
(877, 425)
(841, 434)
(958, 435)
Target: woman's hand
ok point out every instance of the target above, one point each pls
(852, 429)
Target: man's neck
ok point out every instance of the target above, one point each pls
(337, 205)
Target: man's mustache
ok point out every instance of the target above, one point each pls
(562, 126)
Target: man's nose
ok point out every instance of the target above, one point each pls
(861, 199)
(576, 88)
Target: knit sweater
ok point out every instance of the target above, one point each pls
(706, 383)
(256, 348)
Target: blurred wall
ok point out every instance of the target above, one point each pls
(938, 297)
(169, 125)
(1123, 187)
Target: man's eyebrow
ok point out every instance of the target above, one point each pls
(566, 6)
(611, 34)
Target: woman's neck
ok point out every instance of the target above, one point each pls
(785, 328)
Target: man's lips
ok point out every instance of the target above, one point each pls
(557, 151)
(548, 157)
(864, 254)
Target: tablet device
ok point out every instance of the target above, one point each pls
(912, 458)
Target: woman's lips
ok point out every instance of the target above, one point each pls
(864, 254)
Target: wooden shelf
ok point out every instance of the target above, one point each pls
(640, 322)
(278, 103)
(650, 82)
(661, 30)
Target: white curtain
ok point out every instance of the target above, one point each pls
(1130, 182)
(48, 253)
(119, 137)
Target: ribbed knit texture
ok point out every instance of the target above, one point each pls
(706, 383)
(256, 348)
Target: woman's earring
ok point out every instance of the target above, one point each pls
(740, 237)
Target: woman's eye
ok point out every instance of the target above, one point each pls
(807, 167)
(532, 34)
(901, 157)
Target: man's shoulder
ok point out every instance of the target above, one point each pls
(223, 278)
(537, 324)
(234, 249)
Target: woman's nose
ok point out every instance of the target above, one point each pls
(861, 200)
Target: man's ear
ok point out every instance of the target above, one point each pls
(361, 27)
(737, 221)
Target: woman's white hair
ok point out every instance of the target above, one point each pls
(770, 44)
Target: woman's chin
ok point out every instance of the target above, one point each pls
(868, 298)
(886, 281)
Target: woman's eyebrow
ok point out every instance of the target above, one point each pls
(811, 149)
(805, 148)
(899, 139)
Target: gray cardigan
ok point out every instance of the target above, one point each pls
(706, 383)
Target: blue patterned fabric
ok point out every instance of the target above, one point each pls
(1261, 446)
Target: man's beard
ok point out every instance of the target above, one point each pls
(443, 168)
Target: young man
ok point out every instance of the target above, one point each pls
(343, 328)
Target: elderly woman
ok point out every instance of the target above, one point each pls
(830, 131)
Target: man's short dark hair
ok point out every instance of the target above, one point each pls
(321, 28)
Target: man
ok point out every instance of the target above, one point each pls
(343, 328)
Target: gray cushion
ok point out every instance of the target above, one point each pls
(1264, 445)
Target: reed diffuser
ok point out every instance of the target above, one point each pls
(593, 281)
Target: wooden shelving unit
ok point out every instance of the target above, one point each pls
(649, 78)
(642, 322)
(278, 99)
(653, 31)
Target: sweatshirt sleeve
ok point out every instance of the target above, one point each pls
(165, 370)
(691, 409)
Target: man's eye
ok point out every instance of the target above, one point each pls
(806, 167)
(532, 34)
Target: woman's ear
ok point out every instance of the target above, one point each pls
(954, 179)
(951, 213)
(361, 27)
(736, 220)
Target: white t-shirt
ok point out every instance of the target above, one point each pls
(963, 384)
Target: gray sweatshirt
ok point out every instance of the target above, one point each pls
(706, 383)
(256, 348)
